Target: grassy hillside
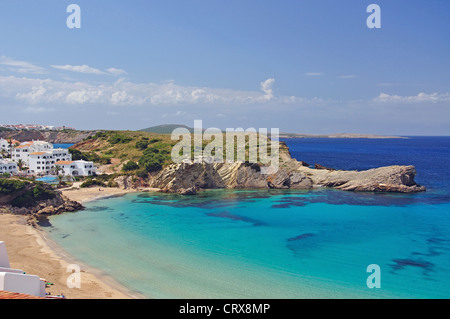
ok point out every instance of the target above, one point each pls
(114, 149)
(134, 152)
(165, 128)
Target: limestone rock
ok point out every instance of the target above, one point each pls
(189, 178)
(318, 166)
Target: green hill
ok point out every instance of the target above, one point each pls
(165, 128)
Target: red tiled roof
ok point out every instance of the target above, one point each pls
(24, 145)
(64, 162)
(15, 295)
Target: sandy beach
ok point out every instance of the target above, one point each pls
(30, 250)
(83, 195)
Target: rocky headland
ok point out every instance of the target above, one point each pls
(186, 178)
(34, 200)
(190, 178)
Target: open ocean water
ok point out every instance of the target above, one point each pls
(279, 244)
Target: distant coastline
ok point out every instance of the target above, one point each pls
(340, 135)
(76, 136)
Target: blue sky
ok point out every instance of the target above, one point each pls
(301, 66)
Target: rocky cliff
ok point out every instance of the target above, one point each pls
(36, 201)
(189, 178)
(292, 174)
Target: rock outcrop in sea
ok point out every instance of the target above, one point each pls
(189, 178)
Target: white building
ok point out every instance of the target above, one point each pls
(22, 151)
(61, 154)
(77, 168)
(44, 162)
(7, 167)
(5, 147)
(15, 280)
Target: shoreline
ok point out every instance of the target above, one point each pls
(30, 250)
(84, 195)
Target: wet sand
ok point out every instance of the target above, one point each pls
(83, 195)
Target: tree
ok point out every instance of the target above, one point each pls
(20, 163)
(130, 166)
(77, 155)
(60, 180)
(152, 165)
(10, 148)
(57, 169)
(141, 144)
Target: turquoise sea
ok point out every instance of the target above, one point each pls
(279, 244)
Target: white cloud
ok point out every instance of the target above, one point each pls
(79, 68)
(86, 69)
(21, 66)
(85, 96)
(115, 71)
(124, 93)
(419, 98)
(266, 87)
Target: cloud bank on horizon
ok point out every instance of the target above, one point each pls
(122, 92)
(47, 95)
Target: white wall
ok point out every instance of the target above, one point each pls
(14, 280)
(16, 271)
(81, 168)
(23, 284)
(4, 261)
(8, 167)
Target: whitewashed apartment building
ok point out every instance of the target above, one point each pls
(5, 147)
(42, 159)
(77, 168)
(22, 151)
(45, 162)
(7, 167)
